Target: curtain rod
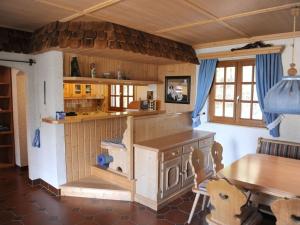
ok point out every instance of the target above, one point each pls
(30, 61)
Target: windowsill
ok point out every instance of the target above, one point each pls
(235, 125)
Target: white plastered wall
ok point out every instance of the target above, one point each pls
(238, 141)
(47, 162)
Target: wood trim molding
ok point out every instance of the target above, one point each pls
(221, 20)
(92, 9)
(268, 37)
(244, 52)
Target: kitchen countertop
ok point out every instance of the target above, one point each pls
(165, 143)
(100, 115)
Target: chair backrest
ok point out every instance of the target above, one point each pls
(286, 211)
(226, 201)
(278, 148)
(217, 157)
(212, 158)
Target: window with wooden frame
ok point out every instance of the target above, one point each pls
(120, 96)
(233, 97)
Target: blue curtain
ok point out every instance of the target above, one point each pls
(268, 73)
(205, 79)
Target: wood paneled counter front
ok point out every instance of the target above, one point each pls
(163, 166)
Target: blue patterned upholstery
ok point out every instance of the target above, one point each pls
(279, 148)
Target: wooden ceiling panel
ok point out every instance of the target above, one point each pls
(75, 4)
(150, 16)
(231, 7)
(201, 34)
(263, 24)
(87, 18)
(28, 14)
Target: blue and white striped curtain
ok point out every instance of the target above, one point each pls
(206, 75)
(268, 72)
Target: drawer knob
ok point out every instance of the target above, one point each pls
(173, 153)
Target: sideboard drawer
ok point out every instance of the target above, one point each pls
(206, 142)
(171, 154)
(189, 147)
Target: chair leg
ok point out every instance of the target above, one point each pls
(208, 203)
(203, 202)
(194, 207)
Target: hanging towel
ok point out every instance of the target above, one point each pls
(36, 140)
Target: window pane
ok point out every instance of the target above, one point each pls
(229, 92)
(245, 111)
(219, 92)
(117, 89)
(112, 102)
(247, 73)
(130, 99)
(256, 114)
(220, 74)
(254, 93)
(230, 74)
(254, 74)
(125, 90)
(229, 108)
(130, 92)
(118, 103)
(112, 89)
(246, 92)
(125, 102)
(218, 108)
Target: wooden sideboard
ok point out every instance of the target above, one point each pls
(163, 166)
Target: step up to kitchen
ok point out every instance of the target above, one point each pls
(95, 187)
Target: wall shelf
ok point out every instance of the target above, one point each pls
(5, 132)
(6, 146)
(89, 80)
(84, 98)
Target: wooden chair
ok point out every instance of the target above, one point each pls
(202, 176)
(229, 205)
(286, 211)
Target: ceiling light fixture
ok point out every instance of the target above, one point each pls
(284, 97)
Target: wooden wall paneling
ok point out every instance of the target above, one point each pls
(83, 144)
(86, 137)
(150, 127)
(132, 70)
(68, 146)
(74, 143)
(176, 70)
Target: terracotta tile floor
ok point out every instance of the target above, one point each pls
(21, 204)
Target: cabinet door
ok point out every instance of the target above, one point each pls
(77, 90)
(187, 170)
(66, 90)
(171, 177)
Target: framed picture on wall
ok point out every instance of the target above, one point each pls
(177, 89)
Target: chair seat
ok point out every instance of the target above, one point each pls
(202, 186)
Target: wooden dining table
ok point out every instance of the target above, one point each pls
(272, 175)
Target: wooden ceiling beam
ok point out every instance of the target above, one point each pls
(214, 19)
(269, 37)
(91, 9)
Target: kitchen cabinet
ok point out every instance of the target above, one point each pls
(171, 174)
(81, 91)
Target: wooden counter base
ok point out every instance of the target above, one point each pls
(163, 166)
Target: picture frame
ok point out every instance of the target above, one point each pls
(177, 89)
